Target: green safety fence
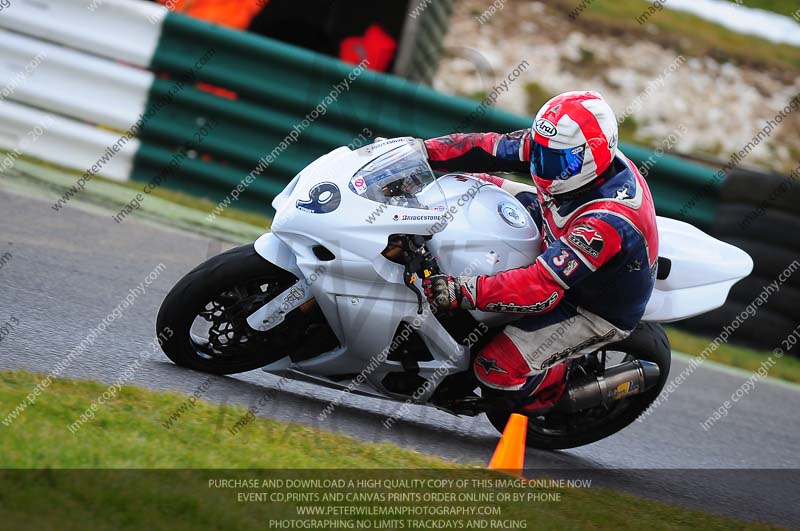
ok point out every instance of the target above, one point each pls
(277, 85)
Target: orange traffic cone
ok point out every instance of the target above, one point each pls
(509, 456)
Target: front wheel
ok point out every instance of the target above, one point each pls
(207, 314)
(561, 430)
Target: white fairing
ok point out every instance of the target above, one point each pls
(477, 229)
(703, 270)
(360, 291)
(477, 239)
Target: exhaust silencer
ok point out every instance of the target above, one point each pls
(627, 379)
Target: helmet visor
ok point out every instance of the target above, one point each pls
(556, 164)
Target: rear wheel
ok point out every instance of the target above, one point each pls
(560, 430)
(207, 314)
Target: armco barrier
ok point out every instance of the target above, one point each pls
(258, 69)
(74, 83)
(50, 137)
(276, 86)
(125, 30)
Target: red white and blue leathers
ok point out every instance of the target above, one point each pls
(594, 277)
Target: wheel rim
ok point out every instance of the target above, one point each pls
(220, 330)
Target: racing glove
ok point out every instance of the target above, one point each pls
(449, 293)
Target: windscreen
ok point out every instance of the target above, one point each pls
(395, 178)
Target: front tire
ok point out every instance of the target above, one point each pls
(227, 287)
(558, 431)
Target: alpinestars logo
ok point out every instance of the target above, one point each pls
(587, 240)
(510, 307)
(489, 365)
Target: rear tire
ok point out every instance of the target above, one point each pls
(190, 296)
(648, 342)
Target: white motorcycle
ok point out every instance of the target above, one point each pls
(333, 295)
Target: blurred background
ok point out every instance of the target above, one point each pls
(187, 98)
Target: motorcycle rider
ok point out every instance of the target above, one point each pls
(590, 285)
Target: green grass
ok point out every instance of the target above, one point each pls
(128, 433)
(587, 65)
(688, 34)
(478, 95)
(783, 7)
(787, 368)
(537, 96)
(173, 196)
(203, 205)
(628, 130)
(199, 439)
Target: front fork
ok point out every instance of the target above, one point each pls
(275, 311)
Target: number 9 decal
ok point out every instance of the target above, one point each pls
(322, 199)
